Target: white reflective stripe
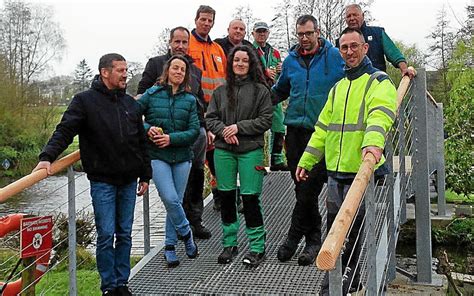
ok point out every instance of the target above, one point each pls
(385, 110)
(337, 127)
(375, 128)
(42, 268)
(213, 80)
(314, 151)
(321, 125)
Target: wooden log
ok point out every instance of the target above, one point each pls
(332, 246)
(28, 277)
(33, 178)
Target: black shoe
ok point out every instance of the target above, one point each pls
(199, 231)
(253, 259)
(123, 291)
(279, 167)
(287, 250)
(109, 293)
(308, 255)
(227, 255)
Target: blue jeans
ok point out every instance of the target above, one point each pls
(170, 180)
(114, 207)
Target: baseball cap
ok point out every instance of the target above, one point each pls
(260, 25)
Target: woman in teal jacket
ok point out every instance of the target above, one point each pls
(172, 126)
(239, 114)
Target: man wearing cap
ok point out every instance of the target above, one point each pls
(271, 64)
(236, 34)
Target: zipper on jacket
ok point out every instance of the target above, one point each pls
(119, 119)
(203, 61)
(214, 62)
(342, 128)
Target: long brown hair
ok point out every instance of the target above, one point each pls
(163, 80)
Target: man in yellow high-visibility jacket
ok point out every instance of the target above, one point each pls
(355, 120)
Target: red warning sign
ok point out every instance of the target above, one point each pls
(36, 236)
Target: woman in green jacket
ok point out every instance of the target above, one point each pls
(239, 114)
(172, 126)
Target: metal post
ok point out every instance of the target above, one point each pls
(441, 173)
(391, 227)
(146, 222)
(71, 194)
(401, 161)
(421, 181)
(370, 233)
(335, 279)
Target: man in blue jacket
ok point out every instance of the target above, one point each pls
(308, 73)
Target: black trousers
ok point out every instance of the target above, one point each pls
(306, 219)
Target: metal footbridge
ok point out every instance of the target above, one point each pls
(415, 153)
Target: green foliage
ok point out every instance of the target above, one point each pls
(453, 197)
(414, 57)
(460, 121)
(57, 283)
(460, 232)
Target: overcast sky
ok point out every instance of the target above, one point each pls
(95, 27)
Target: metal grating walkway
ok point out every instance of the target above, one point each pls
(204, 275)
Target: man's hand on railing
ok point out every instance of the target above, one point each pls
(43, 165)
(301, 174)
(142, 188)
(376, 152)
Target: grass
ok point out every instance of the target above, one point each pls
(56, 280)
(452, 197)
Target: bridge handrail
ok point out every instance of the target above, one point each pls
(332, 245)
(33, 178)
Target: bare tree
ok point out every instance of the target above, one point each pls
(135, 70)
(245, 13)
(161, 46)
(442, 47)
(29, 39)
(282, 35)
(82, 76)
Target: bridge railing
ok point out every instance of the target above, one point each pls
(77, 205)
(381, 207)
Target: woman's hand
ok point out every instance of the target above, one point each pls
(162, 140)
(232, 140)
(154, 131)
(230, 130)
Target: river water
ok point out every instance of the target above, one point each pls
(49, 197)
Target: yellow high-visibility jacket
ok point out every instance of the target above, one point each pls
(359, 112)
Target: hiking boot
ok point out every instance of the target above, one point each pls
(227, 255)
(170, 256)
(199, 231)
(123, 291)
(253, 259)
(308, 255)
(287, 250)
(190, 246)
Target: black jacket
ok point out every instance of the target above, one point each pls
(154, 69)
(111, 135)
(227, 45)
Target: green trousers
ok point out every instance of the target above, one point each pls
(276, 138)
(246, 165)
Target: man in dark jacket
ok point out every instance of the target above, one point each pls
(112, 142)
(192, 203)
(380, 45)
(308, 73)
(236, 34)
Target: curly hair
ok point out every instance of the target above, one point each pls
(255, 73)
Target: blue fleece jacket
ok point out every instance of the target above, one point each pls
(308, 87)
